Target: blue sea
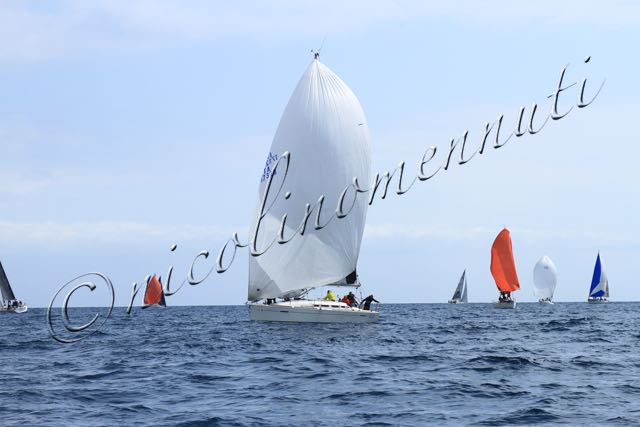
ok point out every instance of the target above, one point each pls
(422, 364)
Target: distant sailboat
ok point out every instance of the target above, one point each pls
(503, 269)
(322, 129)
(9, 301)
(154, 295)
(599, 291)
(545, 277)
(460, 295)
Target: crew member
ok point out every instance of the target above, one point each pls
(330, 296)
(352, 299)
(366, 303)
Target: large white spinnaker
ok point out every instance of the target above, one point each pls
(545, 277)
(324, 129)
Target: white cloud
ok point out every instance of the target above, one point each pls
(118, 232)
(13, 183)
(38, 30)
(127, 232)
(417, 231)
(449, 233)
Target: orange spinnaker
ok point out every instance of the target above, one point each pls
(503, 267)
(154, 294)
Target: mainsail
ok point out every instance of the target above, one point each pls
(460, 293)
(599, 282)
(324, 129)
(503, 267)
(5, 287)
(545, 277)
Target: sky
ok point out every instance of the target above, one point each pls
(127, 127)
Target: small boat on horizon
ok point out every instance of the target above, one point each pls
(503, 269)
(154, 294)
(460, 294)
(9, 301)
(545, 277)
(599, 290)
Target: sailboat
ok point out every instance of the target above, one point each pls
(599, 291)
(154, 295)
(324, 129)
(503, 269)
(460, 294)
(545, 277)
(9, 301)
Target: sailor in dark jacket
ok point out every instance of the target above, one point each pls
(366, 303)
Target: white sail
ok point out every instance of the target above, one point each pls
(545, 277)
(324, 129)
(464, 292)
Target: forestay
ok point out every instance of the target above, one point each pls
(324, 129)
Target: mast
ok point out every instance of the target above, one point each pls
(5, 287)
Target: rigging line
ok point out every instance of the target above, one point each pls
(322, 44)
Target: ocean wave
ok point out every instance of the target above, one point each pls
(586, 362)
(395, 359)
(493, 362)
(98, 375)
(565, 324)
(359, 394)
(207, 378)
(531, 416)
(213, 422)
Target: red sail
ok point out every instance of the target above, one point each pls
(503, 267)
(154, 293)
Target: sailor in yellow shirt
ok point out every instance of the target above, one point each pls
(330, 296)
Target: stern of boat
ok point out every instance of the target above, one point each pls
(505, 304)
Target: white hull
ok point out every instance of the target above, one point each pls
(455, 301)
(311, 311)
(505, 304)
(19, 309)
(597, 301)
(545, 302)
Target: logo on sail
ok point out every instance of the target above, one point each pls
(267, 171)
